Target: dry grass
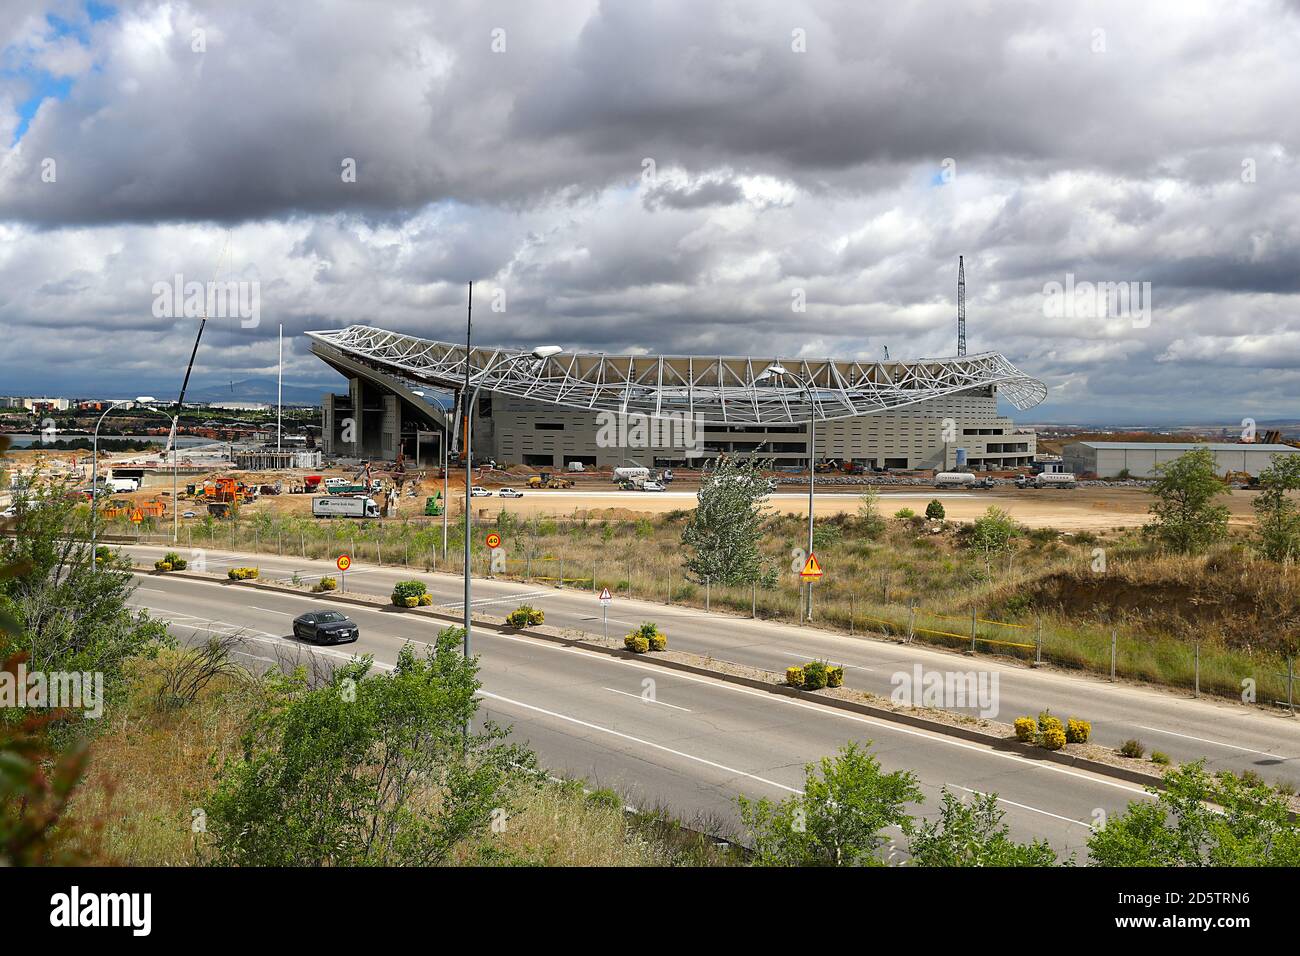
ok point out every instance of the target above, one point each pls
(1242, 611)
(151, 765)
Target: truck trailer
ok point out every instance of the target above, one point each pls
(343, 506)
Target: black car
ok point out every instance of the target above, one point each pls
(324, 627)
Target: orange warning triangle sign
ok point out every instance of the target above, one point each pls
(812, 568)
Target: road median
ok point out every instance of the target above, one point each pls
(945, 723)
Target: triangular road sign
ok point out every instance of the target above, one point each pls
(605, 597)
(811, 569)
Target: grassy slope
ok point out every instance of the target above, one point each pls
(150, 767)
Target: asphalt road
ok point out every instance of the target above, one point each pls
(1228, 735)
(692, 749)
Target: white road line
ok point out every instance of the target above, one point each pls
(887, 726)
(268, 610)
(1024, 806)
(1216, 743)
(858, 667)
(639, 740)
(648, 700)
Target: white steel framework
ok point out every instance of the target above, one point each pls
(721, 390)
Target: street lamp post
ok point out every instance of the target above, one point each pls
(778, 371)
(94, 466)
(539, 356)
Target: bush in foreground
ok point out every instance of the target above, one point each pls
(242, 574)
(408, 593)
(526, 616)
(369, 770)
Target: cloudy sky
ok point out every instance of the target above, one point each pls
(662, 176)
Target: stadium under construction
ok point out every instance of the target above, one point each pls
(552, 408)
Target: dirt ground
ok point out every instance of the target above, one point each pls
(1088, 508)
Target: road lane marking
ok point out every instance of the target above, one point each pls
(886, 726)
(639, 740)
(268, 610)
(1216, 743)
(1024, 806)
(858, 667)
(648, 700)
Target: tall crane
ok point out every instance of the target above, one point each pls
(961, 305)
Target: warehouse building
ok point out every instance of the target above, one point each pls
(550, 408)
(1137, 459)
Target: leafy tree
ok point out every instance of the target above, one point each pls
(68, 612)
(934, 510)
(1248, 825)
(726, 528)
(991, 534)
(371, 769)
(973, 835)
(839, 818)
(37, 778)
(1186, 517)
(1278, 536)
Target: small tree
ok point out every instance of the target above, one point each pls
(839, 818)
(1278, 537)
(992, 534)
(973, 835)
(1186, 518)
(726, 528)
(1201, 820)
(870, 521)
(371, 769)
(934, 510)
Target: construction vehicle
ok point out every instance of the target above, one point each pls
(433, 505)
(226, 491)
(548, 480)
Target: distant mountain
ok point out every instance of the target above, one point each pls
(259, 390)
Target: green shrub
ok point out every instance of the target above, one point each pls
(635, 643)
(1077, 731)
(814, 675)
(904, 513)
(1160, 758)
(525, 616)
(834, 676)
(162, 566)
(934, 510)
(176, 561)
(1026, 729)
(1132, 748)
(655, 639)
(325, 584)
(407, 593)
(794, 675)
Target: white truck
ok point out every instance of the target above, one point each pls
(343, 506)
(630, 474)
(1055, 479)
(957, 479)
(120, 485)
